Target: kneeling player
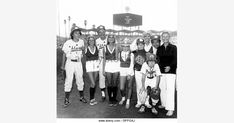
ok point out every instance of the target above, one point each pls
(150, 81)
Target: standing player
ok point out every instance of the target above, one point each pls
(92, 66)
(150, 82)
(101, 42)
(139, 59)
(111, 67)
(167, 54)
(126, 73)
(73, 48)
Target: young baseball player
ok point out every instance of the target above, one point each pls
(150, 82)
(101, 42)
(74, 48)
(126, 73)
(139, 59)
(92, 66)
(111, 67)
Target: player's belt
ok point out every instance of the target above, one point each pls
(74, 60)
(150, 77)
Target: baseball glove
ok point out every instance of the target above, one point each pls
(155, 93)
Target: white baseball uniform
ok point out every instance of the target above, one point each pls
(73, 64)
(100, 45)
(150, 80)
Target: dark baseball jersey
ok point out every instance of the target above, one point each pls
(139, 59)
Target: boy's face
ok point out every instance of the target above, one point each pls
(151, 63)
(140, 46)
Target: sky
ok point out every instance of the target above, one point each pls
(156, 14)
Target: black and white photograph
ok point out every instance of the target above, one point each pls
(116, 59)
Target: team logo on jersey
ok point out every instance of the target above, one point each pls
(75, 48)
(140, 59)
(150, 74)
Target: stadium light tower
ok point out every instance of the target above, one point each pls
(65, 28)
(69, 19)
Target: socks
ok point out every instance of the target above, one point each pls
(109, 93)
(114, 93)
(128, 101)
(91, 92)
(122, 93)
(67, 94)
(81, 94)
(103, 92)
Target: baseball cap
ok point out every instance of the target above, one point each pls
(155, 37)
(76, 28)
(140, 40)
(101, 27)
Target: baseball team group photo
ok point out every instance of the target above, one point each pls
(117, 59)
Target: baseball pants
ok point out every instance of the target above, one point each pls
(167, 95)
(101, 77)
(71, 69)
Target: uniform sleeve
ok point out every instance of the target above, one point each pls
(158, 72)
(66, 49)
(143, 68)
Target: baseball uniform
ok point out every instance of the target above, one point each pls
(150, 80)
(73, 51)
(100, 45)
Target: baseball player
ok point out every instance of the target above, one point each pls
(150, 82)
(167, 54)
(139, 59)
(101, 42)
(73, 48)
(126, 73)
(111, 67)
(92, 66)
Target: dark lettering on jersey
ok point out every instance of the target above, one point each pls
(75, 48)
(150, 74)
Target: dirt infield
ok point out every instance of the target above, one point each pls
(78, 109)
